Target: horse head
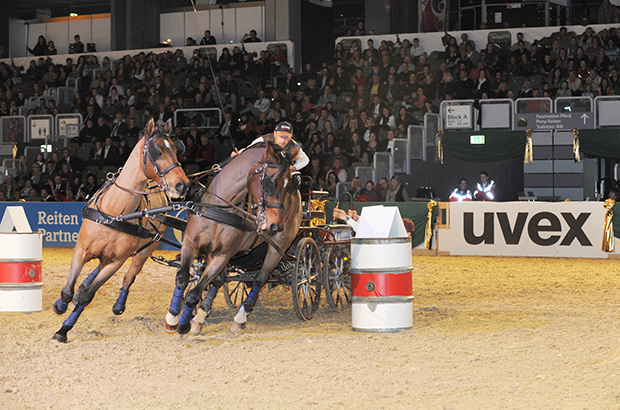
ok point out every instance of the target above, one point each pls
(160, 160)
(268, 184)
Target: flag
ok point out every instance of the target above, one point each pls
(431, 15)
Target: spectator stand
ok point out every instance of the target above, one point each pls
(6, 153)
(366, 174)
(384, 165)
(63, 121)
(606, 109)
(342, 187)
(434, 41)
(402, 156)
(418, 139)
(31, 154)
(584, 104)
(496, 114)
(38, 127)
(431, 126)
(9, 167)
(206, 118)
(113, 56)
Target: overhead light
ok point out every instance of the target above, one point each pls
(73, 14)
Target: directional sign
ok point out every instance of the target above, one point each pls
(458, 117)
(554, 121)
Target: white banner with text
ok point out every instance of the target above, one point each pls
(545, 229)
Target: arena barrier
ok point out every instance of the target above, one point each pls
(540, 229)
(21, 256)
(381, 284)
(59, 222)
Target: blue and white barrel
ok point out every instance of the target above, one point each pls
(381, 284)
(21, 286)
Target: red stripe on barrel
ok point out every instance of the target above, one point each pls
(20, 272)
(382, 284)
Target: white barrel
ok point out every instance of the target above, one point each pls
(21, 286)
(382, 284)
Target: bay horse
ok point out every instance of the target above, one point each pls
(103, 237)
(263, 171)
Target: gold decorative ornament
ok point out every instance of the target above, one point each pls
(428, 233)
(576, 145)
(529, 153)
(608, 232)
(316, 205)
(440, 147)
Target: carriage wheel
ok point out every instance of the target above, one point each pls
(306, 286)
(235, 292)
(337, 278)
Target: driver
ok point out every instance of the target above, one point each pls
(283, 137)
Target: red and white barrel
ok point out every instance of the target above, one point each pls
(21, 286)
(381, 284)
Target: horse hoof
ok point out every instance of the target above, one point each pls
(170, 328)
(171, 323)
(196, 327)
(118, 311)
(183, 329)
(57, 309)
(60, 338)
(237, 327)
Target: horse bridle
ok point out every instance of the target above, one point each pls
(148, 155)
(268, 185)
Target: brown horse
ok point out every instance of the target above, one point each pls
(265, 174)
(153, 158)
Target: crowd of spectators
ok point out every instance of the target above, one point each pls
(342, 111)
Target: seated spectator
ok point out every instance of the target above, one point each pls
(330, 185)
(250, 38)
(123, 151)
(356, 188)
(33, 196)
(205, 153)
(338, 169)
(564, 90)
(396, 192)
(110, 153)
(464, 86)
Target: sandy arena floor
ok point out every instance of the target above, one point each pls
(488, 333)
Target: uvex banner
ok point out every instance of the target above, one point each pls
(565, 229)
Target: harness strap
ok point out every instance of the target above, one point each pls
(217, 214)
(126, 228)
(118, 225)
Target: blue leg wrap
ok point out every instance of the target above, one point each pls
(91, 277)
(122, 298)
(73, 317)
(61, 306)
(186, 316)
(250, 301)
(177, 300)
(208, 301)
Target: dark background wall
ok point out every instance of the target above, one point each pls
(443, 178)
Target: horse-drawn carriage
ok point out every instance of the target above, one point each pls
(122, 221)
